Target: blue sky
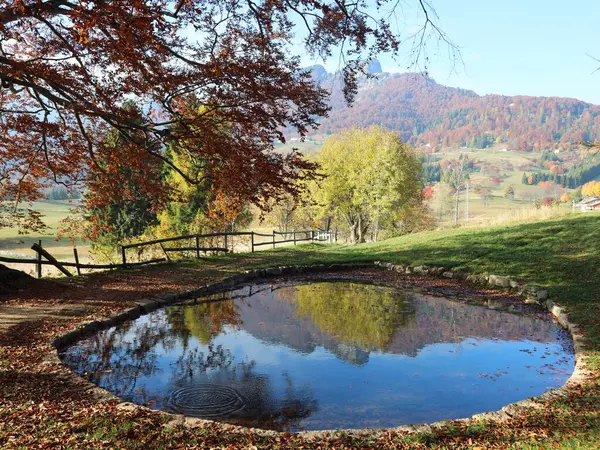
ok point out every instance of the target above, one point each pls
(517, 47)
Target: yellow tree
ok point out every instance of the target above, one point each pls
(590, 189)
(371, 176)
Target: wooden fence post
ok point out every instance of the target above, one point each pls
(123, 255)
(226, 246)
(162, 247)
(312, 235)
(252, 240)
(294, 236)
(76, 261)
(197, 247)
(51, 258)
(39, 261)
(273, 238)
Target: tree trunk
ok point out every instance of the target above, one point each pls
(363, 226)
(354, 233)
(358, 225)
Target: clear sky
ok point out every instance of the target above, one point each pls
(517, 47)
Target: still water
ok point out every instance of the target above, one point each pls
(326, 355)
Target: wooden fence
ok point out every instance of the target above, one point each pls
(225, 241)
(225, 246)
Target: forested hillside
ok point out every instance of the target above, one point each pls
(425, 112)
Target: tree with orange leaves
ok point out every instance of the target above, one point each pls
(67, 67)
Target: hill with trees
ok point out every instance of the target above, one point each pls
(429, 114)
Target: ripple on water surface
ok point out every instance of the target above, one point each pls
(327, 355)
(207, 400)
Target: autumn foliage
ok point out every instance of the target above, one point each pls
(590, 189)
(425, 112)
(216, 80)
(428, 192)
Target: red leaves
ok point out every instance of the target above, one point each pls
(428, 192)
(223, 94)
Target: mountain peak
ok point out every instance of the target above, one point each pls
(374, 67)
(318, 72)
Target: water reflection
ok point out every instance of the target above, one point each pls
(325, 355)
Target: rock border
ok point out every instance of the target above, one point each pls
(529, 293)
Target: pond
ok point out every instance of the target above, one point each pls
(326, 355)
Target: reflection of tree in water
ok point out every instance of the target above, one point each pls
(209, 317)
(345, 318)
(118, 358)
(124, 360)
(354, 314)
(261, 406)
(196, 360)
(204, 320)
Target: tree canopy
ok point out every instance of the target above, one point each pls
(67, 67)
(371, 176)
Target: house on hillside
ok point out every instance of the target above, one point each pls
(589, 204)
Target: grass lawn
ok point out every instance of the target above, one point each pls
(561, 254)
(53, 212)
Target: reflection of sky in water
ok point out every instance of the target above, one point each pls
(296, 370)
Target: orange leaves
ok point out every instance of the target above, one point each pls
(428, 192)
(590, 189)
(223, 94)
(224, 210)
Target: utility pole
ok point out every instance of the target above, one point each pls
(457, 201)
(467, 203)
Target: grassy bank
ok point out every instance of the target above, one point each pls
(562, 254)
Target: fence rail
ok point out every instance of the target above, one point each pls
(316, 235)
(61, 265)
(305, 235)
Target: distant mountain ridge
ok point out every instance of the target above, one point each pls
(430, 114)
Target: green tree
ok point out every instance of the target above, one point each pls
(186, 212)
(371, 178)
(116, 218)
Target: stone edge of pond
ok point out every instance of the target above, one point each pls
(530, 294)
